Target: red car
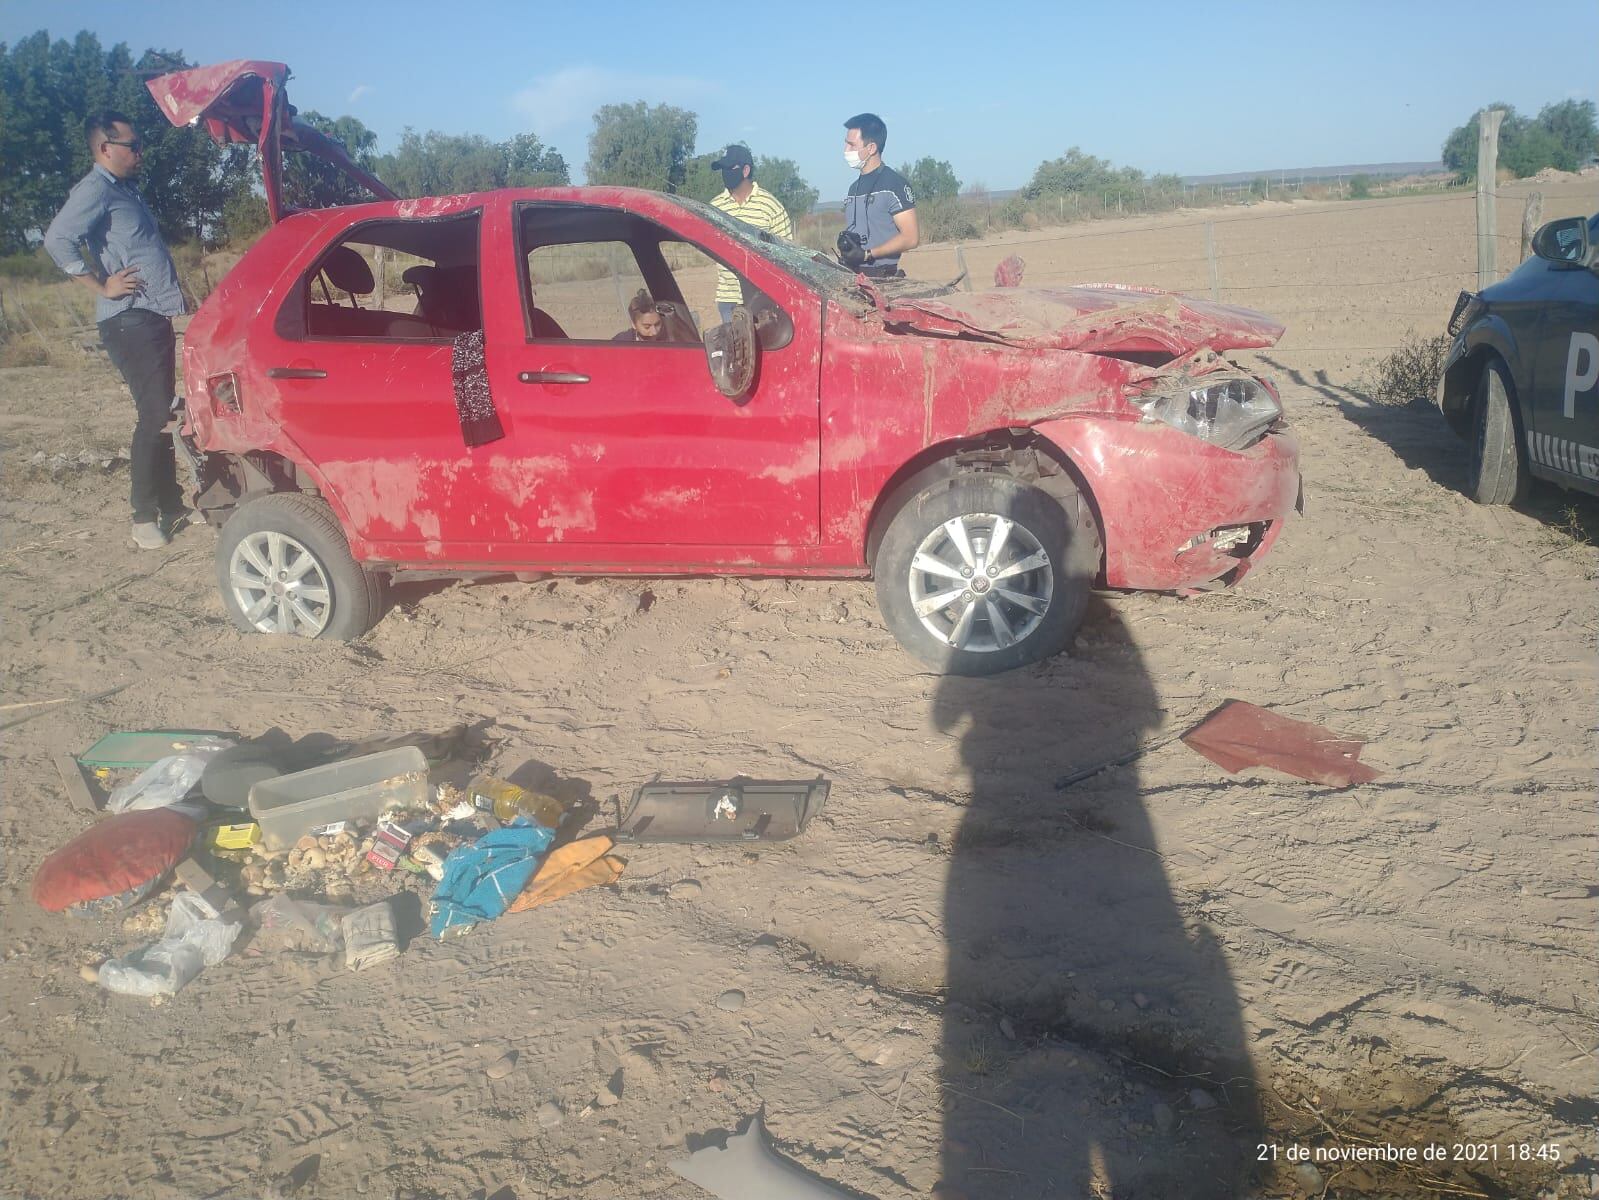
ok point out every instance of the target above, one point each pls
(446, 386)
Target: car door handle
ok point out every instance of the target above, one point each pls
(552, 377)
(295, 373)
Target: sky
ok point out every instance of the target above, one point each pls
(994, 89)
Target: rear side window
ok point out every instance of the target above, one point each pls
(391, 281)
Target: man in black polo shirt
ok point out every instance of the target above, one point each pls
(880, 211)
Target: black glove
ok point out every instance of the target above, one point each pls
(851, 250)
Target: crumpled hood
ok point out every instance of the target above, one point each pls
(1096, 319)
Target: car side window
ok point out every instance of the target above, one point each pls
(396, 280)
(582, 289)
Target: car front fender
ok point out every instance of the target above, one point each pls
(1489, 334)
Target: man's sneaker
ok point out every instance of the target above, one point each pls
(174, 522)
(147, 535)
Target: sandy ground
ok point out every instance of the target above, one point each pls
(1151, 983)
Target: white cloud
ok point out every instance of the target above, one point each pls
(363, 89)
(568, 98)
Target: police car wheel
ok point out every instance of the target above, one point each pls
(1498, 464)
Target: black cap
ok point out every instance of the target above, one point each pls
(736, 155)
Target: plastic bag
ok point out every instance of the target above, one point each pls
(192, 942)
(167, 780)
(369, 936)
(287, 924)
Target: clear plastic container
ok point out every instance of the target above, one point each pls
(358, 789)
(508, 801)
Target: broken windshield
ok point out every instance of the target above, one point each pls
(820, 271)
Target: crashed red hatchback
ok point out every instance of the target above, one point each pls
(436, 386)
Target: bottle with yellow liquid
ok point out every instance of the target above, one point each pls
(508, 801)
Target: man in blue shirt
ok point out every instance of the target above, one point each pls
(880, 210)
(106, 238)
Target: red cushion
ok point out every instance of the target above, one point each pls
(123, 853)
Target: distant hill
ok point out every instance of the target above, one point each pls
(1294, 175)
(1313, 174)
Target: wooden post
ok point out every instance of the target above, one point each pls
(966, 275)
(377, 263)
(1531, 217)
(1487, 180)
(1210, 257)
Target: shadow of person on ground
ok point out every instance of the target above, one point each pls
(1093, 1044)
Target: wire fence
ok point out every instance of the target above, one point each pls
(1444, 243)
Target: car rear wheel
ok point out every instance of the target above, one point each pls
(980, 573)
(284, 567)
(1498, 462)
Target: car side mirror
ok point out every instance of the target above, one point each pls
(733, 355)
(774, 328)
(1564, 241)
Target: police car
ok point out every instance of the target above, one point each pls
(1521, 380)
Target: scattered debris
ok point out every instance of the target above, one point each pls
(193, 941)
(114, 864)
(577, 865)
(86, 459)
(481, 879)
(738, 809)
(1239, 734)
(502, 1066)
(290, 806)
(748, 1166)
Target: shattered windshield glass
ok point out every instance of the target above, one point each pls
(815, 268)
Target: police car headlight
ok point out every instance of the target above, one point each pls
(1230, 414)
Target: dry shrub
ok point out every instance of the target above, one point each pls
(1411, 372)
(23, 352)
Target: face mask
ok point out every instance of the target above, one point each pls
(732, 177)
(853, 160)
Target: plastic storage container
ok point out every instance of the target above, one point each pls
(359, 789)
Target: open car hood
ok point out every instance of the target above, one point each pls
(1097, 319)
(244, 101)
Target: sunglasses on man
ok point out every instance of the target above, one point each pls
(136, 145)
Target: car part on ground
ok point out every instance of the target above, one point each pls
(748, 1167)
(735, 810)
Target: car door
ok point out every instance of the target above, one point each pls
(625, 452)
(362, 384)
(1565, 404)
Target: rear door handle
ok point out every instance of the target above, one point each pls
(295, 373)
(551, 377)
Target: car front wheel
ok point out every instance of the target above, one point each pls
(284, 567)
(1498, 466)
(980, 573)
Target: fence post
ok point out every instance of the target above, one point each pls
(378, 256)
(1531, 216)
(1210, 257)
(1487, 180)
(966, 275)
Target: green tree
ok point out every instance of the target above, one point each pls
(1360, 187)
(700, 180)
(641, 145)
(312, 182)
(530, 163)
(931, 179)
(1574, 126)
(1460, 147)
(1073, 172)
(781, 177)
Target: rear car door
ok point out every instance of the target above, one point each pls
(625, 450)
(1564, 441)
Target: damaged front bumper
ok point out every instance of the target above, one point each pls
(1178, 513)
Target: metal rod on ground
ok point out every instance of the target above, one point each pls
(1210, 257)
(1531, 216)
(1487, 180)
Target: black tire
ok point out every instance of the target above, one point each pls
(304, 525)
(1498, 460)
(1063, 530)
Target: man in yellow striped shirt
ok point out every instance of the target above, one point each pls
(744, 200)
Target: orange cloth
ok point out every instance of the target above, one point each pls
(575, 866)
